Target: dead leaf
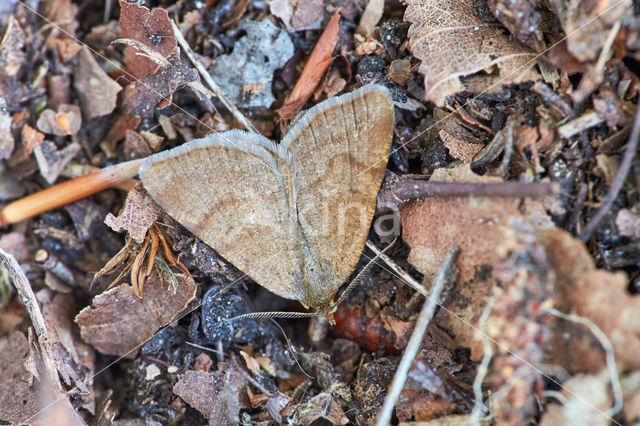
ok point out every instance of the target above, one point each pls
(118, 321)
(137, 215)
(252, 363)
(587, 23)
(217, 395)
(7, 141)
(31, 138)
(315, 68)
(628, 223)
(135, 146)
(298, 15)
(275, 404)
(98, 93)
(432, 226)
(586, 400)
(244, 66)
(458, 43)
(19, 401)
(202, 363)
(66, 121)
(459, 149)
(596, 294)
(12, 54)
(149, 27)
(52, 161)
(15, 243)
(321, 406)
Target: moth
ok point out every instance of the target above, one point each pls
(293, 215)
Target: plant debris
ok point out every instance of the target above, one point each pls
(515, 140)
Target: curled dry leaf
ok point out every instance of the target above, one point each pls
(137, 215)
(118, 321)
(458, 43)
(317, 64)
(97, 91)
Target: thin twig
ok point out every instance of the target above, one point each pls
(407, 188)
(479, 408)
(68, 191)
(45, 339)
(415, 341)
(209, 80)
(398, 270)
(608, 349)
(618, 181)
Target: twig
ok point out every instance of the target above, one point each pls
(413, 346)
(406, 189)
(45, 339)
(553, 98)
(585, 121)
(608, 349)
(397, 269)
(68, 192)
(251, 380)
(209, 80)
(483, 368)
(618, 181)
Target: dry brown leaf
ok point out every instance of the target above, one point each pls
(202, 363)
(149, 27)
(217, 395)
(15, 243)
(97, 91)
(12, 54)
(298, 15)
(628, 223)
(30, 138)
(137, 215)
(474, 225)
(118, 321)
(317, 64)
(52, 161)
(252, 363)
(453, 42)
(587, 24)
(594, 293)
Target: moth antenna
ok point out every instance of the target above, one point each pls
(294, 352)
(263, 315)
(367, 266)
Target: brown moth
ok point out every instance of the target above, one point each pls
(294, 216)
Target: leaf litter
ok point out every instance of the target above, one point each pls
(521, 262)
